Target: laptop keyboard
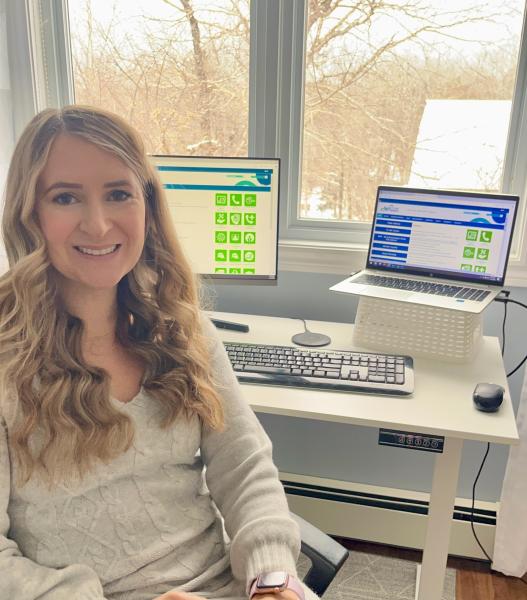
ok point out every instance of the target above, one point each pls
(426, 287)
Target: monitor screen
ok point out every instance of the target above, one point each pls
(225, 211)
(458, 235)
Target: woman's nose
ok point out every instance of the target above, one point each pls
(95, 221)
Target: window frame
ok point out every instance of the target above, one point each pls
(38, 41)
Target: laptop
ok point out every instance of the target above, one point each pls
(440, 248)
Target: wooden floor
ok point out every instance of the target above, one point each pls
(474, 580)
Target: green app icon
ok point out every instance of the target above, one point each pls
(249, 218)
(249, 237)
(483, 253)
(220, 218)
(220, 270)
(221, 199)
(249, 255)
(235, 237)
(235, 270)
(485, 236)
(220, 237)
(466, 267)
(249, 199)
(235, 218)
(235, 255)
(249, 271)
(469, 252)
(472, 235)
(480, 269)
(236, 199)
(220, 255)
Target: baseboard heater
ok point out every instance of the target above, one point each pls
(385, 515)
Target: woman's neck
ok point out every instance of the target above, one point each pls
(97, 309)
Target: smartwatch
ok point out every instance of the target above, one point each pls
(275, 582)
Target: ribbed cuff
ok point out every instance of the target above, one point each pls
(269, 557)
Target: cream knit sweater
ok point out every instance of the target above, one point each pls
(150, 521)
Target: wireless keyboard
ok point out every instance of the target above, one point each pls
(330, 370)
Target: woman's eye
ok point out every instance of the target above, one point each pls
(119, 195)
(64, 199)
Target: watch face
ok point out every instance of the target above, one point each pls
(275, 579)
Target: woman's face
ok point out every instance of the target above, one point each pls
(91, 210)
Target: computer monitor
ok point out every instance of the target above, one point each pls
(225, 211)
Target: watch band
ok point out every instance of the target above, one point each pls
(275, 582)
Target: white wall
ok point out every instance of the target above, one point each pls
(6, 111)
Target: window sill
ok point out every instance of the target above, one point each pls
(343, 259)
(321, 257)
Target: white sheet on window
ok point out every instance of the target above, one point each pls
(510, 545)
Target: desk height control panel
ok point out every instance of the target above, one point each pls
(413, 441)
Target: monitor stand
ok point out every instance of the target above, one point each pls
(230, 325)
(417, 329)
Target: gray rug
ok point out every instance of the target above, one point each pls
(371, 577)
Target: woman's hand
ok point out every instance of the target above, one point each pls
(285, 595)
(175, 595)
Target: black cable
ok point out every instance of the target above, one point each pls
(472, 511)
(505, 304)
(505, 300)
(474, 502)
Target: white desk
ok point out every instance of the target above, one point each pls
(441, 404)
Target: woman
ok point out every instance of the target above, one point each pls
(117, 392)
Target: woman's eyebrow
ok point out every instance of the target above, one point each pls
(118, 182)
(62, 185)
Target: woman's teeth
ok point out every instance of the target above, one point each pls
(108, 250)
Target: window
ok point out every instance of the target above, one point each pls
(179, 70)
(404, 93)
(349, 95)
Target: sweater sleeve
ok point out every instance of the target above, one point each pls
(244, 482)
(24, 579)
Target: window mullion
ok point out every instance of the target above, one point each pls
(56, 52)
(22, 69)
(515, 167)
(263, 81)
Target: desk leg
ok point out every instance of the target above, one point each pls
(442, 498)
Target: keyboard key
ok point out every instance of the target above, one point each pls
(269, 369)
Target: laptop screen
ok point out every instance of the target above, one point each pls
(437, 233)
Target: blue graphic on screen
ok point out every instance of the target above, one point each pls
(442, 234)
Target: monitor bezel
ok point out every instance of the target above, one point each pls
(233, 278)
(437, 274)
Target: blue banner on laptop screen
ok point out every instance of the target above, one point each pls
(447, 234)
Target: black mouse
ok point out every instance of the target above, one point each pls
(488, 397)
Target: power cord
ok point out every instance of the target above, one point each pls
(506, 301)
(504, 298)
(474, 501)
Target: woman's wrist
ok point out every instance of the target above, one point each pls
(276, 585)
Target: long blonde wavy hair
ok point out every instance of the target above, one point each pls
(43, 374)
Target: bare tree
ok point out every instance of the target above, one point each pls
(370, 66)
